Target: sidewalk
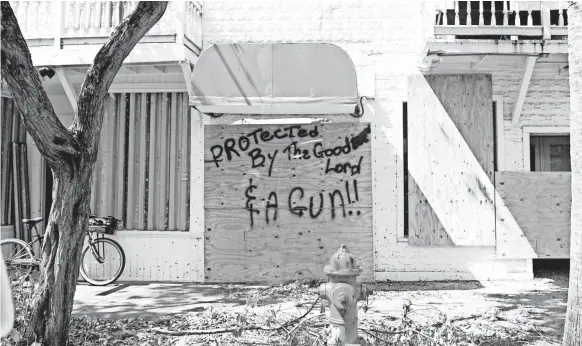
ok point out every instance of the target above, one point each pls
(540, 303)
(153, 300)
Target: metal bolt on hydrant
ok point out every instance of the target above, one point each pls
(343, 293)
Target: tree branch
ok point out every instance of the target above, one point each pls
(108, 61)
(238, 329)
(53, 140)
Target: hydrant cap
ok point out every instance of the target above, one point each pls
(342, 263)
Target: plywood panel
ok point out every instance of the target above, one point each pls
(277, 208)
(287, 165)
(538, 214)
(450, 150)
(284, 249)
(468, 100)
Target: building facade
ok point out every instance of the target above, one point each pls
(463, 173)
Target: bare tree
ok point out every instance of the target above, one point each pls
(70, 153)
(573, 328)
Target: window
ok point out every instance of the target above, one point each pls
(550, 153)
(143, 165)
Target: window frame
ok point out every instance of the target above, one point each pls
(544, 143)
(541, 131)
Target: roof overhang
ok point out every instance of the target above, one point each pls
(301, 78)
(487, 56)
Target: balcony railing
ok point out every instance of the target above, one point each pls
(502, 19)
(43, 22)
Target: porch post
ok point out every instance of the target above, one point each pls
(197, 188)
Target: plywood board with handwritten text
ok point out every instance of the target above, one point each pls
(280, 199)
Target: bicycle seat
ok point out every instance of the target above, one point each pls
(32, 221)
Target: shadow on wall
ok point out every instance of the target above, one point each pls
(452, 199)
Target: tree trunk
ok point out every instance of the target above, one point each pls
(53, 301)
(573, 327)
(71, 154)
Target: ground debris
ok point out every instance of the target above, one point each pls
(291, 314)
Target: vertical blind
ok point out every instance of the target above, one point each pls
(13, 139)
(143, 166)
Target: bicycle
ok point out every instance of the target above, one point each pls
(20, 259)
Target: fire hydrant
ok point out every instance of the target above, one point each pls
(343, 293)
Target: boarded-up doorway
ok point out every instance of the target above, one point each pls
(451, 160)
(280, 199)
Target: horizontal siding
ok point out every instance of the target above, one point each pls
(156, 256)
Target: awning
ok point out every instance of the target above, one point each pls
(302, 78)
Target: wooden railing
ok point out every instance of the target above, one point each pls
(83, 19)
(500, 19)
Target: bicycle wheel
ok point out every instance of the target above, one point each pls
(102, 262)
(18, 258)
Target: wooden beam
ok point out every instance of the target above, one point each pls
(477, 64)
(529, 66)
(127, 70)
(158, 54)
(68, 86)
(78, 70)
(546, 25)
(161, 69)
(147, 87)
(482, 30)
(187, 72)
(496, 47)
(151, 69)
(58, 28)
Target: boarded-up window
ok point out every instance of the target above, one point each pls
(142, 171)
(13, 138)
(451, 158)
(279, 200)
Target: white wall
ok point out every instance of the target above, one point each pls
(385, 40)
(546, 104)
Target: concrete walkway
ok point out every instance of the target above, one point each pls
(148, 299)
(541, 302)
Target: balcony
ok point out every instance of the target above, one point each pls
(502, 20)
(71, 32)
(494, 36)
